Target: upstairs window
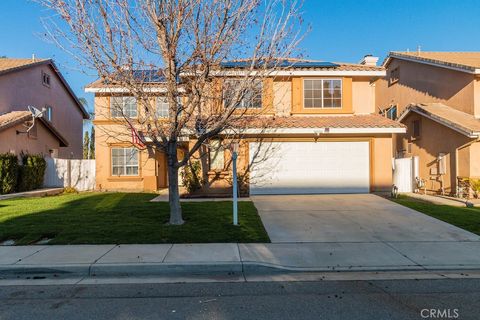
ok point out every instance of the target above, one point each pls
(124, 162)
(394, 76)
(416, 129)
(123, 106)
(322, 93)
(252, 95)
(48, 113)
(163, 107)
(392, 113)
(46, 79)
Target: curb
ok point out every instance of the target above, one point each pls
(220, 268)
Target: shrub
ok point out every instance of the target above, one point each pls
(192, 176)
(475, 185)
(31, 172)
(70, 190)
(8, 172)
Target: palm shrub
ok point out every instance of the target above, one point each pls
(8, 172)
(31, 172)
(191, 176)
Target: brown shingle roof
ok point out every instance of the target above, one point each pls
(468, 61)
(13, 118)
(7, 64)
(448, 116)
(351, 121)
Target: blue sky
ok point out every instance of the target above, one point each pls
(340, 31)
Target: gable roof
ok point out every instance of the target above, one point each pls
(8, 65)
(456, 120)
(14, 118)
(461, 61)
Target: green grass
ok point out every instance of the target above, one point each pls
(463, 217)
(95, 218)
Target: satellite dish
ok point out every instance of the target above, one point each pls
(35, 112)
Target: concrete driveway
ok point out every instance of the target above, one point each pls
(349, 218)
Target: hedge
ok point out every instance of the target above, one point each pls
(31, 173)
(8, 172)
(26, 176)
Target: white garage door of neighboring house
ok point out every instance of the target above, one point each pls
(309, 167)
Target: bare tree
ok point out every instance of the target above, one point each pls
(184, 44)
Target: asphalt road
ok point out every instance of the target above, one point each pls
(404, 299)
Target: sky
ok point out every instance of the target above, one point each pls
(340, 31)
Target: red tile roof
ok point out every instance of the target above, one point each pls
(350, 121)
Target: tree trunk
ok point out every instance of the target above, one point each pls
(173, 192)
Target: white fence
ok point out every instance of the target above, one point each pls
(79, 174)
(405, 170)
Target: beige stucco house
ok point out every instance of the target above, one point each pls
(38, 83)
(437, 96)
(319, 123)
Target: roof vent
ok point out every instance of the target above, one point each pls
(369, 60)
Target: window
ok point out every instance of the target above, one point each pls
(252, 97)
(124, 162)
(394, 76)
(322, 93)
(416, 129)
(217, 153)
(45, 79)
(48, 113)
(392, 113)
(123, 106)
(163, 107)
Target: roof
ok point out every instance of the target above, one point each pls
(457, 120)
(329, 124)
(461, 61)
(14, 118)
(8, 65)
(287, 66)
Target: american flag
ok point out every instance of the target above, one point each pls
(136, 139)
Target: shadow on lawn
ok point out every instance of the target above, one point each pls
(119, 218)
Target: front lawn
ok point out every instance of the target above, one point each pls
(463, 217)
(115, 218)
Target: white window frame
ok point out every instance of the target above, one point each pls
(217, 155)
(161, 113)
(125, 165)
(123, 112)
(323, 101)
(242, 102)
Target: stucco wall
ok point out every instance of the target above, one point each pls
(23, 88)
(363, 96)
(10, 141)
(435, 139)
(421, 83)
(382, 164)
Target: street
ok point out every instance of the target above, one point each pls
(373, 299)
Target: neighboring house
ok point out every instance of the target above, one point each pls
(38, 83)
(437, 96)
(319, 133)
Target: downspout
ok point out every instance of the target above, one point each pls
(456, 159)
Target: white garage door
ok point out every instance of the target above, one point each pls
(309, 167)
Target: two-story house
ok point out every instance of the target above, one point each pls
(437, 96)
(319, 133)
(39, 83)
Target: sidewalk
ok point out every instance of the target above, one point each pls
(33, 193)
(444, 200)
(162, 259)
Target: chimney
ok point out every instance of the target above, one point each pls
(33, 57)
(369, 60)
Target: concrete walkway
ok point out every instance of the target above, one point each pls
(444, 200)
(33, 193)
(158, 259)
